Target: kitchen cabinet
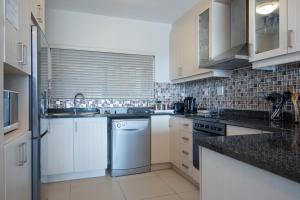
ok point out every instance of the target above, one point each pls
(181, 146)
(75, 148)
(268, 32)
(60, 146)
(17, 37)
(90, 144)
(18, 168)
(229, 179)
(195, 37)
(293, 26)
(160, 139)
(236, 130)
(38, 11)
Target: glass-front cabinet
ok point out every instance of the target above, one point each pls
(268, 28)
(204, 38)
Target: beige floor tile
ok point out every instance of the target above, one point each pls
(169, 197)
(96, 189)
(192, 195)
(175, 181)
(56, 191)
(136, 176)
(148, 186)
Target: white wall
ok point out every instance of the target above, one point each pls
(88, 31)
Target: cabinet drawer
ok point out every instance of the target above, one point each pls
(186, 138)
(186, 166)
(187, 125)
(186, 152)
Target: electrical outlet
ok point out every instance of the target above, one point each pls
(220, 91)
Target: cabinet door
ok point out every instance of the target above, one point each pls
(11, 44)
(293, 26)
(268, 28)
(18, 169)
(13, 171)
(60, 147)
(90, 144)
(160, 139)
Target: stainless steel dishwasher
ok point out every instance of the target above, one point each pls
(131, 146)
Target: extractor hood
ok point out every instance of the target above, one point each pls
(237, 56)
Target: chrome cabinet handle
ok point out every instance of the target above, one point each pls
(290, 38)
(24, 146)
(24, 50)
(185, 138)
(185, 152)
(186, 125)
(20, 60)
(20, 155)
(76, 127)
(185, 166)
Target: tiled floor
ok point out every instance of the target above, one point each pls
(160, 185)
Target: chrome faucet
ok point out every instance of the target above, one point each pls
(75, 98)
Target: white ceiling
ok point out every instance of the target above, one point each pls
(163, 11)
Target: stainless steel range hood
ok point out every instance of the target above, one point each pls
(238, 55)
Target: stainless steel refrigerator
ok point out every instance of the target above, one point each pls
(39, 96)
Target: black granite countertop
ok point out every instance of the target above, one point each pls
(278, 153)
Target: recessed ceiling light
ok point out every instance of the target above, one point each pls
(267, 8)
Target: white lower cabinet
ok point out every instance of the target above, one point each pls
(18, 168)
(76, 148)
(160, 139)
(181, 146)
(236, 130)
(60, 147)
(90, 144)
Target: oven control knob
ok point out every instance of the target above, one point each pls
(206, 126)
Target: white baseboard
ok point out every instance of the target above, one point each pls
(72, 176)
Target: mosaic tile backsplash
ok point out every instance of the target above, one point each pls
(244, 90)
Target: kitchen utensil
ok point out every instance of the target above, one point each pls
(294, 99)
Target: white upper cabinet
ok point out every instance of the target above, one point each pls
(293, 26)
(17, 35)
(38, 11)
(195, 37)
(268, 28)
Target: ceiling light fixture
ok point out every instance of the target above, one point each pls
(267, 8)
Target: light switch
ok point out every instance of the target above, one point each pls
(220, 91)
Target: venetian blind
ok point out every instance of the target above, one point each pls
(101, 74)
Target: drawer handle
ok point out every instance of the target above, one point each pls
(186, 125)
(185, 152)
(185, 166)
(185, 138)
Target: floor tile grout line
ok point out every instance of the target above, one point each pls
(177, 193)
(122, 191)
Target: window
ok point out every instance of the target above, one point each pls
(102, 74)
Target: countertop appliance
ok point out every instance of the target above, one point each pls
(39, 86)
(202, 128)
(130, 151)
(10, 110)
(178, 108)
(190, 105)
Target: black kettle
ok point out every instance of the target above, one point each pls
(190, 105)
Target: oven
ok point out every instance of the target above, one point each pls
(201, 129)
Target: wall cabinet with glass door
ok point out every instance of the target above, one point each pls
(274, 32)
(196, 38)
(268, 28)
